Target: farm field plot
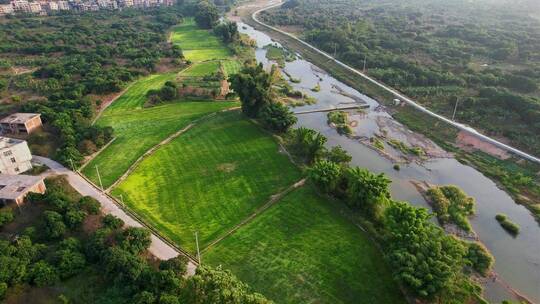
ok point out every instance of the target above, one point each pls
(208, 179)
(231, 66)
(198, 44)
(201, 69)
(137, 129)
(302, 250)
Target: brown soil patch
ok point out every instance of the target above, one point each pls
(91, 223)
(226, 167)
(470, 143)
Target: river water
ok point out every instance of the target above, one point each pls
(517, 258)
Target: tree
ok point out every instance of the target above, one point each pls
(74, 218)
(6, 216)
(112, 222)
(210, 286)
(367, 191)
(54, 225)
(206, 14)
(124, 266)
(135, 239)
(338, 155)
(277, 117)
(253, 86)
(326, 175)
(307, 143)
(227, 30)
(69, 262)
(43, 274)
(421, 255)
(177, 264)
(90, 204)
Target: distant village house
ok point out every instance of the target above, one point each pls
(20, 123)
(15, 156)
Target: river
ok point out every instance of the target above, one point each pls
(517, 258)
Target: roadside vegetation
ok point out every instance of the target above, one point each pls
(66, 251)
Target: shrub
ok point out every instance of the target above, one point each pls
(326, 175)
(177, 264)
(3, 289)
(479, 257)
(277, 117)
(54, 226)
(112, 222)
(43, 274)
(6, 216)
(90, 204)
(508, 225)
(74, 218)
(134, 239)
(69, 263)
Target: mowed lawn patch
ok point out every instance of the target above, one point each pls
(198, 44)
(208, 180)
(231, 66)
(137, 129)
(302, 250)
(201, 69)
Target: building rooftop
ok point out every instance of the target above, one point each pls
(6, 142)
(19, 118)
(12, 186)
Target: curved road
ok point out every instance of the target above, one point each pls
(399, 95)
(158, 248)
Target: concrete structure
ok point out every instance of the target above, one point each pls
(21, 123)
(14, 188)
(6, 9)
(34, 7)
(63, 5)
(15, 157)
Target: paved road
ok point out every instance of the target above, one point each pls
(398, 94)
(158, 248)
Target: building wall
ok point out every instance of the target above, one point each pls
(15, 159)
(37, 188)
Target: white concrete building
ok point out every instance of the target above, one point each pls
(63, 5)
(15, 156)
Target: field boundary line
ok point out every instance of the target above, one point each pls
(95, 154)
(273, 200)
(167, 140)
(121, 93)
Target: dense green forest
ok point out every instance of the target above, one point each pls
(483, 54)
(65, 66)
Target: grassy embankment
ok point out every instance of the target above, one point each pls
(517, 177)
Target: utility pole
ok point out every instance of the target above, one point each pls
(99, 178)
(365, 61)
(455, 109)
(198, 252)
(122, 199)
(72, 165)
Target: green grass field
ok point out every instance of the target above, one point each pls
(198, 44)
(137, 129)
(231, 66)
(208, 180)
(302, 250)
(201, 69)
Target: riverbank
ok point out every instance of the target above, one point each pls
(516, 262)
(518, 177)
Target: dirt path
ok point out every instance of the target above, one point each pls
(273, 200)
